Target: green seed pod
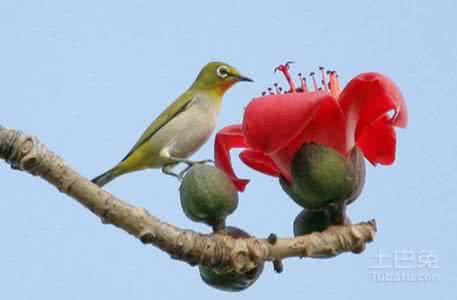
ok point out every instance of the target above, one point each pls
(232, 282)
(208, 195)
(321, 176)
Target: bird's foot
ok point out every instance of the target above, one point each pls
(183, 172)
(167, 169)
(190, 163)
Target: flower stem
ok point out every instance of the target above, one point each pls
(337, 213)
(218, 225)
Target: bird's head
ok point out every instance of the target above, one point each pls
(219, 77)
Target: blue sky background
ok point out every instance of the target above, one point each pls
(88, 76)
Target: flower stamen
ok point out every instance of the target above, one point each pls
(334, 84)
(284, 69)
(303, 85)
(324, 80)
(328, 83)
(276, 85)
(338, 88)
(314, 81)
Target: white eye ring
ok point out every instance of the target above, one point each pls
(222, 72)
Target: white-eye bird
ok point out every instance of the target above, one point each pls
(182, 128)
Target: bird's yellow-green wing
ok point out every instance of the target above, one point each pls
(177, 107)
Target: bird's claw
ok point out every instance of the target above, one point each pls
(206, 161)
(167, 170)
(190, 163)
(183, 172)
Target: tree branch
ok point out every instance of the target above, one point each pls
(26, 153)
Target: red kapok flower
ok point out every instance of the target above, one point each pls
(278, 123)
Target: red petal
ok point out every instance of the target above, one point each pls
(365, 99)
(272, 122)
(260, 162)
(326, 128)
(227, 138)
(378, 142)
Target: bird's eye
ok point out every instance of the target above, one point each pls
(222, 72)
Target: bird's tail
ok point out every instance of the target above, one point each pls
(106, 177)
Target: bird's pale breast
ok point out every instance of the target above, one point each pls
(184, 134)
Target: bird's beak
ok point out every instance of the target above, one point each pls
(242, 78)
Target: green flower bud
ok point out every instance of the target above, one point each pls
(208, 195)
(232, 282)
(309, 221)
